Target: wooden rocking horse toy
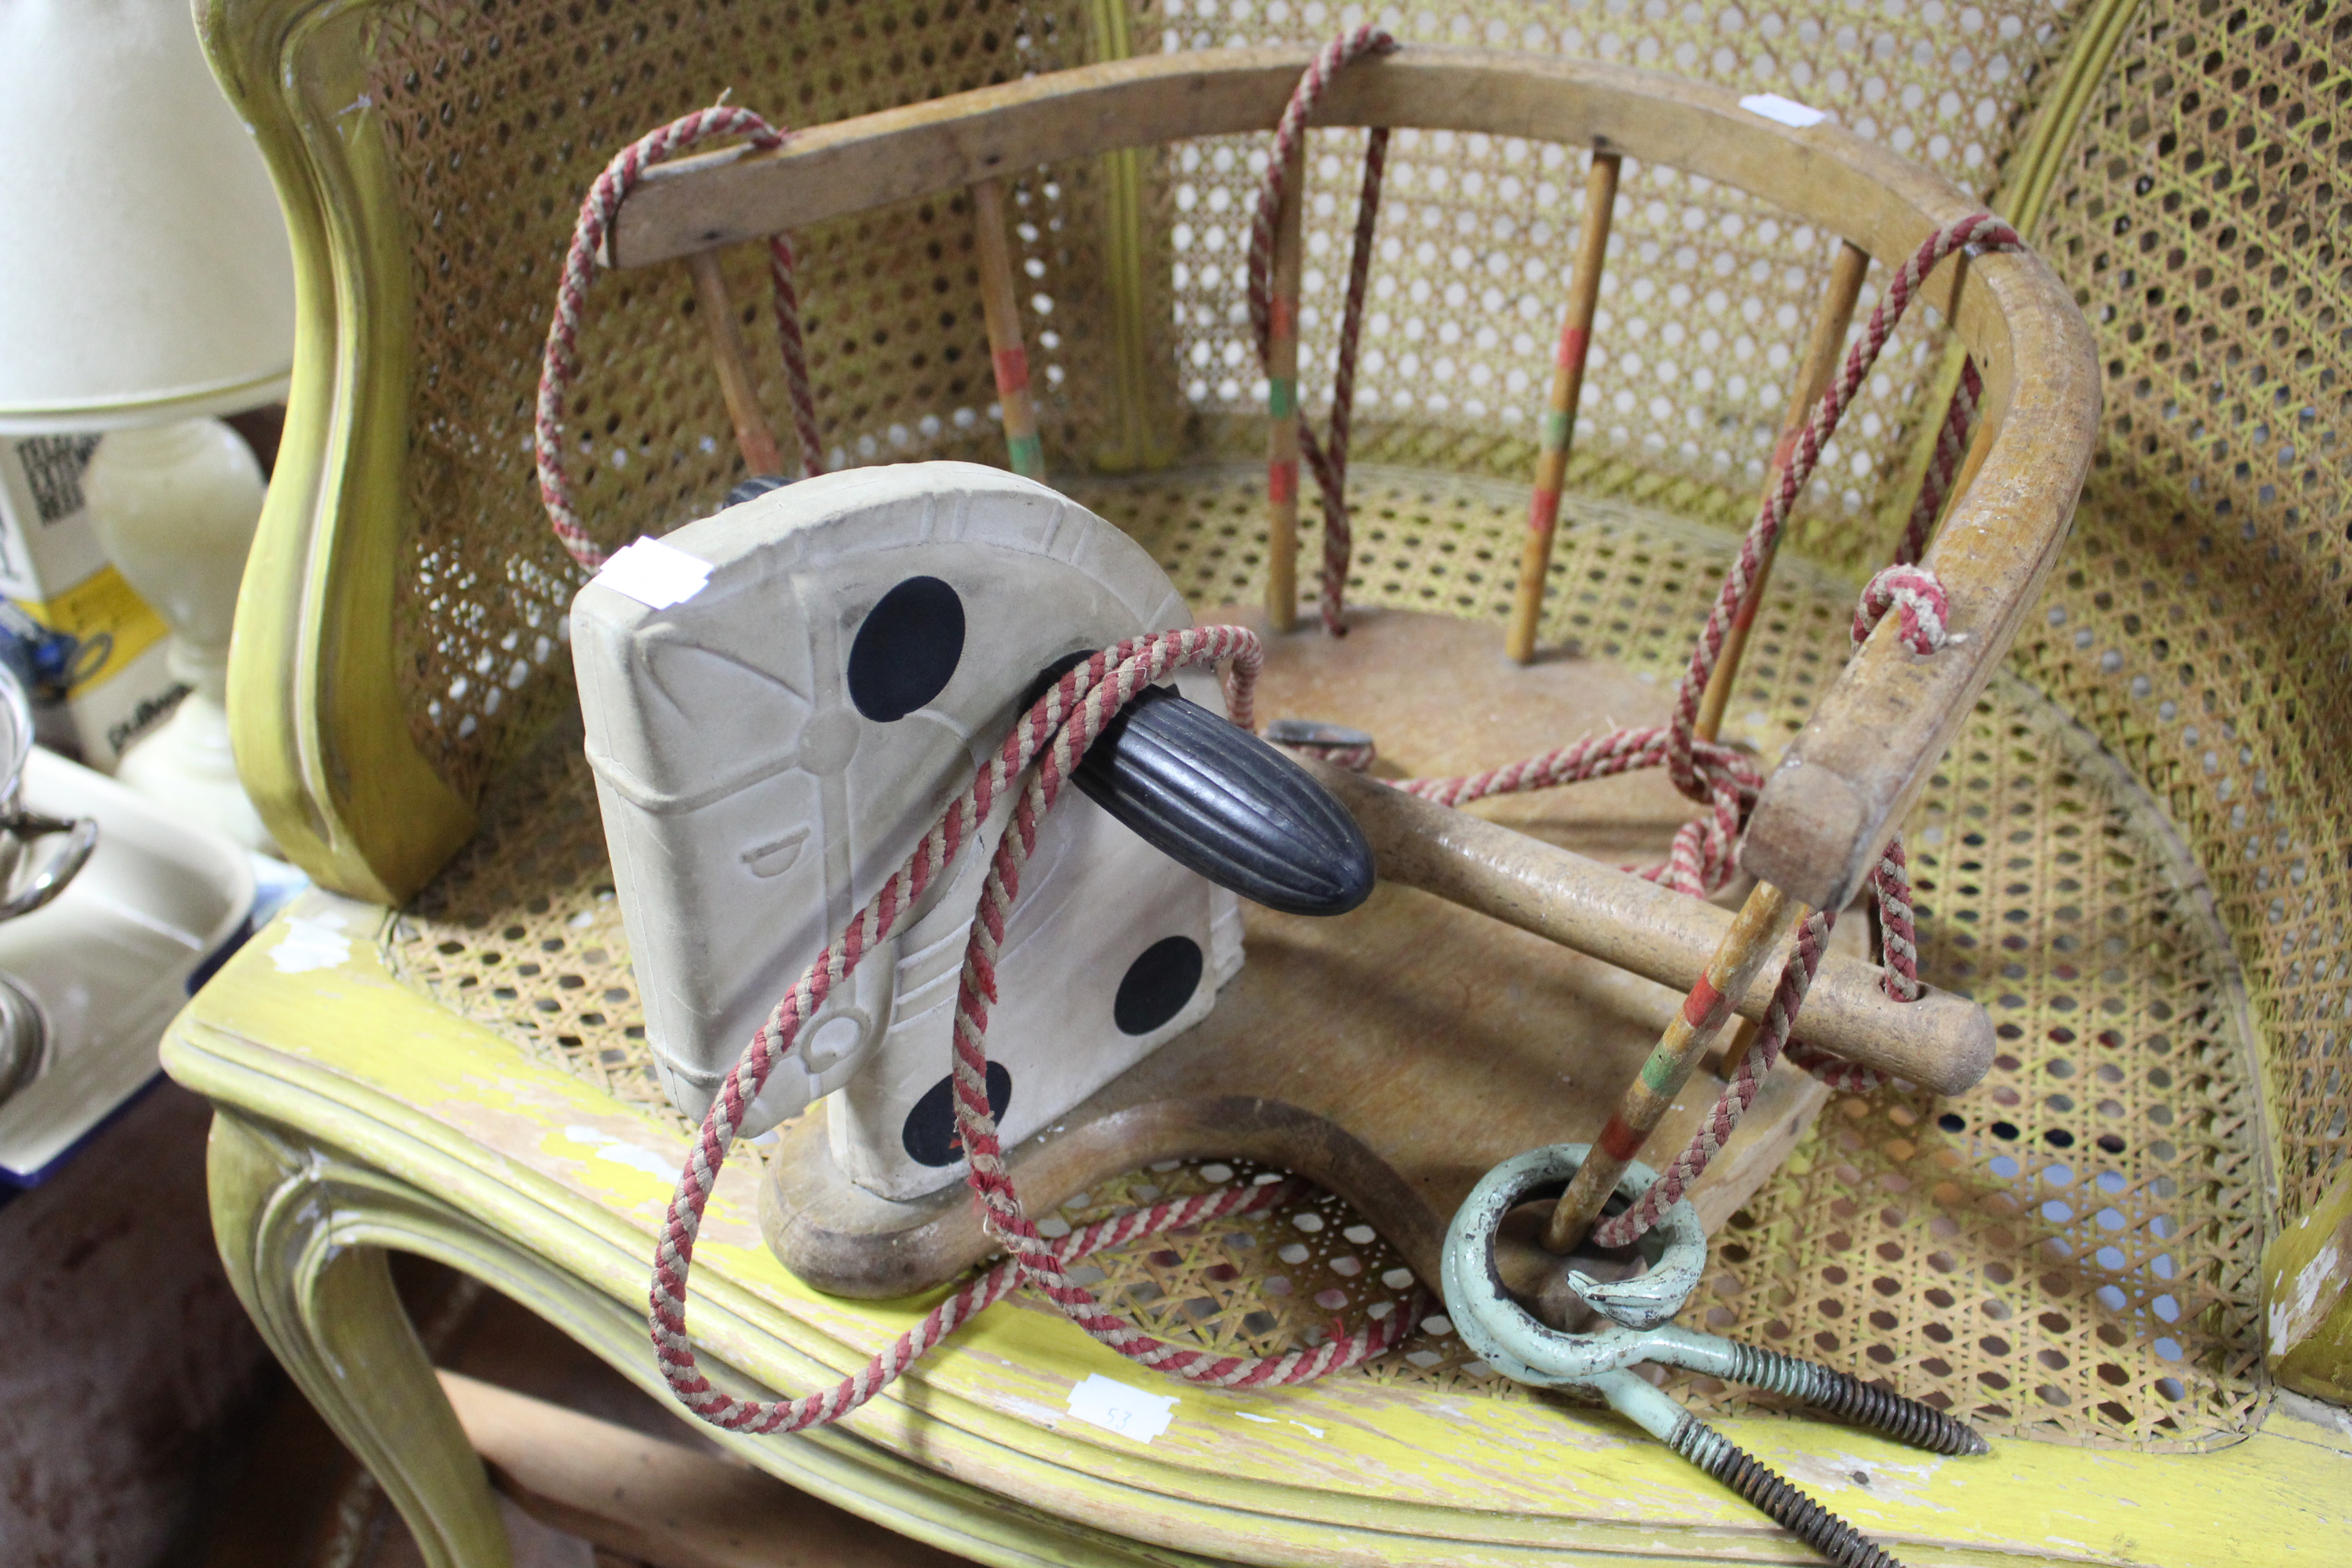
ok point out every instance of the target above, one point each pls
(832, 724)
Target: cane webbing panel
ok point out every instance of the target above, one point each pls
(2066, 1251)
(497, 117)
(2199, 627)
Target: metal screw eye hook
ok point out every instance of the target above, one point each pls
(1512, 1341)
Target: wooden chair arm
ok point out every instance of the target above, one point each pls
(1844, 786)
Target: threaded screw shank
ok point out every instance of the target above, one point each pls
(1850, 1399)
(1765, 1488)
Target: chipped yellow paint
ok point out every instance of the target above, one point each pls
(1344, 1471)
(2308, 1297)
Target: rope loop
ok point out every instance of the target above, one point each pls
(1980, 231)
(560, 366)
(1917, 596)
(1333, 57)
(1727, 783)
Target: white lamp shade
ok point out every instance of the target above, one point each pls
(144, 273)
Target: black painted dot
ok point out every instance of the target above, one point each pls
(2111, 1143)
(1952, 1121)
(1156, 985)
(906, 650)
(2059, 1138)
(930, 1134)
(2002, 1130)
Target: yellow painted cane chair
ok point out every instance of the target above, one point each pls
(2134, 856)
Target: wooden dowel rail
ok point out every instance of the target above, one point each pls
(1941, 1042)
(1559, 413)
(1282, 404)
(1822, 353)
(1001, 303)
(736, 382)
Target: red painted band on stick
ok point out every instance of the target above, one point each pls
(1617, 1140)
(1543, 512)
(1012, 371)
(1704, 1007)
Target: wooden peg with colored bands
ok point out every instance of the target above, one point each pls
(736, 382)
(1750, 943)
(1559, 414)
(1820, 363)
(1000, 304)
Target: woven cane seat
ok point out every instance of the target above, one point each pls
(2134, 857)
(2021, 1252)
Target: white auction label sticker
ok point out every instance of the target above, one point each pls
(653, 574)
(1786, 111)
(1115, 1406)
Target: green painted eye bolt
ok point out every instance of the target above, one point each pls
(1639, 1311)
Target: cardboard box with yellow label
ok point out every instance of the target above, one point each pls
(89, 651)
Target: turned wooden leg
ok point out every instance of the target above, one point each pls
(329, 1310)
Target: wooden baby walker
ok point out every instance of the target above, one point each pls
(831, 724)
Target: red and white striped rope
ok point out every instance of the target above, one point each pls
(1328, 459)
(998, 1281)
(1943, 464)
(1983, 231)
(1918, 601)
(560, 363)
(1898, 938)
(976, 1123)
(1702, 854)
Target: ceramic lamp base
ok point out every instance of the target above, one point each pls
(186, 767)
(175, 506)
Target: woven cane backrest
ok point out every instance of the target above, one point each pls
(2200, 622)
(494, 118)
